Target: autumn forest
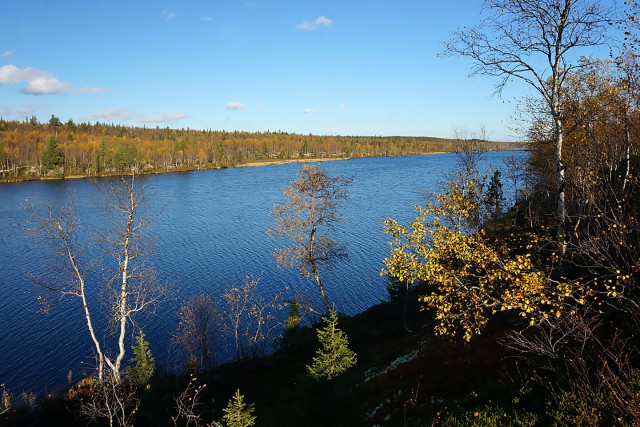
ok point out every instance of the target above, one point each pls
(32, 150)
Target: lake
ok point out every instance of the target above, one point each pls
(209, 233)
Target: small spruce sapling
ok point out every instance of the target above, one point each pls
(334, 357)
(237, 413)
(143, 362)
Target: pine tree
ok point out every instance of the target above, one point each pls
(54, 121)
(334, 357)
(237, 413)
(144, 363)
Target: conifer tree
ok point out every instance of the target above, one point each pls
(52, 156)
(494, 199)
(334, 357)
(144, 363)
(237, 413)
(54, 121)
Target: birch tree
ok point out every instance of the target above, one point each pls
(539, 43)
(130, 288)
(309, 216)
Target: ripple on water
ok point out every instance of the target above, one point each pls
(209, 233)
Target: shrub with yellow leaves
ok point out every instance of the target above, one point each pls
(470, 276)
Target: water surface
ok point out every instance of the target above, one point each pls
(210, 231)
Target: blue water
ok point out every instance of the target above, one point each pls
(209, 231)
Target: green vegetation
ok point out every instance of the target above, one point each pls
(144, 365)
(334, 357)
(237, 413)
(52, 156)
(494, 200)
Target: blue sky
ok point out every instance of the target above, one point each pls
(323, 67)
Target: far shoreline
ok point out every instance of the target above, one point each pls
(326, 159)
(212, 167)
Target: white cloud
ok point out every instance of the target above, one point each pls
(40, 82)
(234, 106)
(309, 110)
(320, 21)
(206, 18)
(342, 106)
(123, 114)
(163, 118)
(112, 114)
(259, 106)
(7, 53)
(168, 16)
(45, 85)
(12, 74)
(52, 86)
(27, 110)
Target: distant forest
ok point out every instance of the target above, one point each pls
(33, 150)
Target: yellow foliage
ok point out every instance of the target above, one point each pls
(470, 276)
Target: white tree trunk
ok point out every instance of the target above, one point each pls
(561, 213)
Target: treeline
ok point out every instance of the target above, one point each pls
(31, 149)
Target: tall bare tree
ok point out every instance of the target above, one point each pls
(310, 214)
(537, 42)
(194, 335)
(469, 147)
(131, 288)
(248, 318)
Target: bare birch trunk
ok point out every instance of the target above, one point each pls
(561, 213)
(627, 154)
(316, 276)
(314, 268)
(87, 312)
(122, 301)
